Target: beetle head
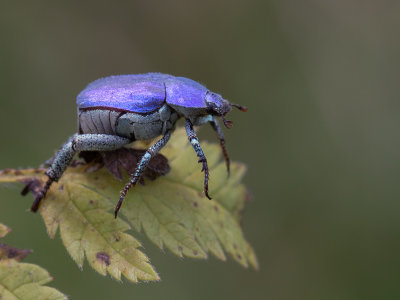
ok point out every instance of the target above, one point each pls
(216, 105)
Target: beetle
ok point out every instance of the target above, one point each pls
(115, 111)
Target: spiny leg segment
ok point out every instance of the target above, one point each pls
(215, 125)
(194, 140)
(144, 161)
(76, 143)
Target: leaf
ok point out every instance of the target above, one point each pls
(178, 200)
(8, 252)
(4, 230)
(22, 281)
(88, 229)
(172, 211)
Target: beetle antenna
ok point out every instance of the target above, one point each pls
(241, 107)
(228, 124)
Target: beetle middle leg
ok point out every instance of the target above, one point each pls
(194, 140)
(141, 166)
(77, 143)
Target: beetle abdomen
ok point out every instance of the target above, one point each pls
(98, 121)
(148, 126)
(125, 124)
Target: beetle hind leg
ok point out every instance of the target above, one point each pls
(59, 163)
(76, 143)
(194, 140)
(40, 195)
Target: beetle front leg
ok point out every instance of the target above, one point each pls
(141, 166)
(194, 140)
(76, 143)
(215, 125)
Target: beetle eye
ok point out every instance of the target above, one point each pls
(210, 111)
(213, 109)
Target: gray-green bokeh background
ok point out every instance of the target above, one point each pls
(321, 138)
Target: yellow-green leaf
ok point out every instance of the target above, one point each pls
(172, 211)
(4, 230)
(87, 228)
(22, 281)
(8, 252)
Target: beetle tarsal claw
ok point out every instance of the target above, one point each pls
(228, 124)
(207, 195)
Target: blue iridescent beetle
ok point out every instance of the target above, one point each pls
(117, 110)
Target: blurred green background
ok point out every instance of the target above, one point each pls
(321, 138)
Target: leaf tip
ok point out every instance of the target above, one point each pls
(252, 257)
(4, 230)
